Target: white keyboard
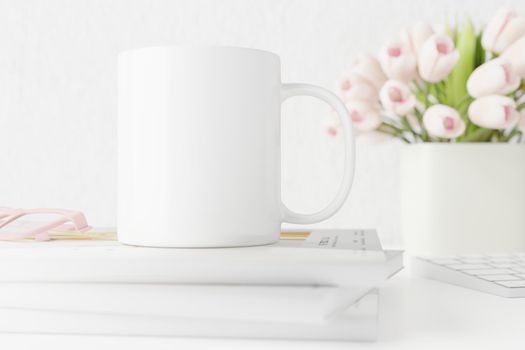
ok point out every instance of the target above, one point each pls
(499, 274)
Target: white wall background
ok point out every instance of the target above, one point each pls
(58, 92)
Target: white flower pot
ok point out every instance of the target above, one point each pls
(463, 198)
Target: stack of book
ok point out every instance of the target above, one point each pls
(322, 284)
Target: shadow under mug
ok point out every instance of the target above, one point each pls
(199, 147)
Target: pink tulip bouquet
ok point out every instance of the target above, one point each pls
(448, 84)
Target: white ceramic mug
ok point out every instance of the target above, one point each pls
(199, 147)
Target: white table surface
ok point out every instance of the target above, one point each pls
(415, 313)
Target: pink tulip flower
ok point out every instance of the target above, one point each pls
(437, 58)
(493, 112)
(368, 67)
(354, 87)
(494, 77)
(396, 97)
(515, 54)
(398, 61)
(502, 30)
(414, 37)
(443, 121)
(364, 114)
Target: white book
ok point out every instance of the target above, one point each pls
(281, 304)
(356, 322)
(351, 258)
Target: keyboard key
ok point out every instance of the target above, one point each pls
(513, 284)
(489, 272)
(499, 277)
(468, 266)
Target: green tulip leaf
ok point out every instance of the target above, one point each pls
(480, 52)
(480, 135)
(457, 81)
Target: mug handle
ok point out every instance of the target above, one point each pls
(290, 90)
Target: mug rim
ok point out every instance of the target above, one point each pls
(199, 48)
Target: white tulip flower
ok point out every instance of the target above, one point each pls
(515, 55)
(364, 115)
(396, 97)
(354, 87)
(494, 77)
(368, 67)
(443, 121)
(332, 129)
(493, 112)
(415, 36)
(502, 30)
(437, 58)
(398, 61)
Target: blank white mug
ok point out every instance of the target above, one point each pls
(199, 147)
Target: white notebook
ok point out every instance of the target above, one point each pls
(356, 322)
(282, 304)
(327, 257)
